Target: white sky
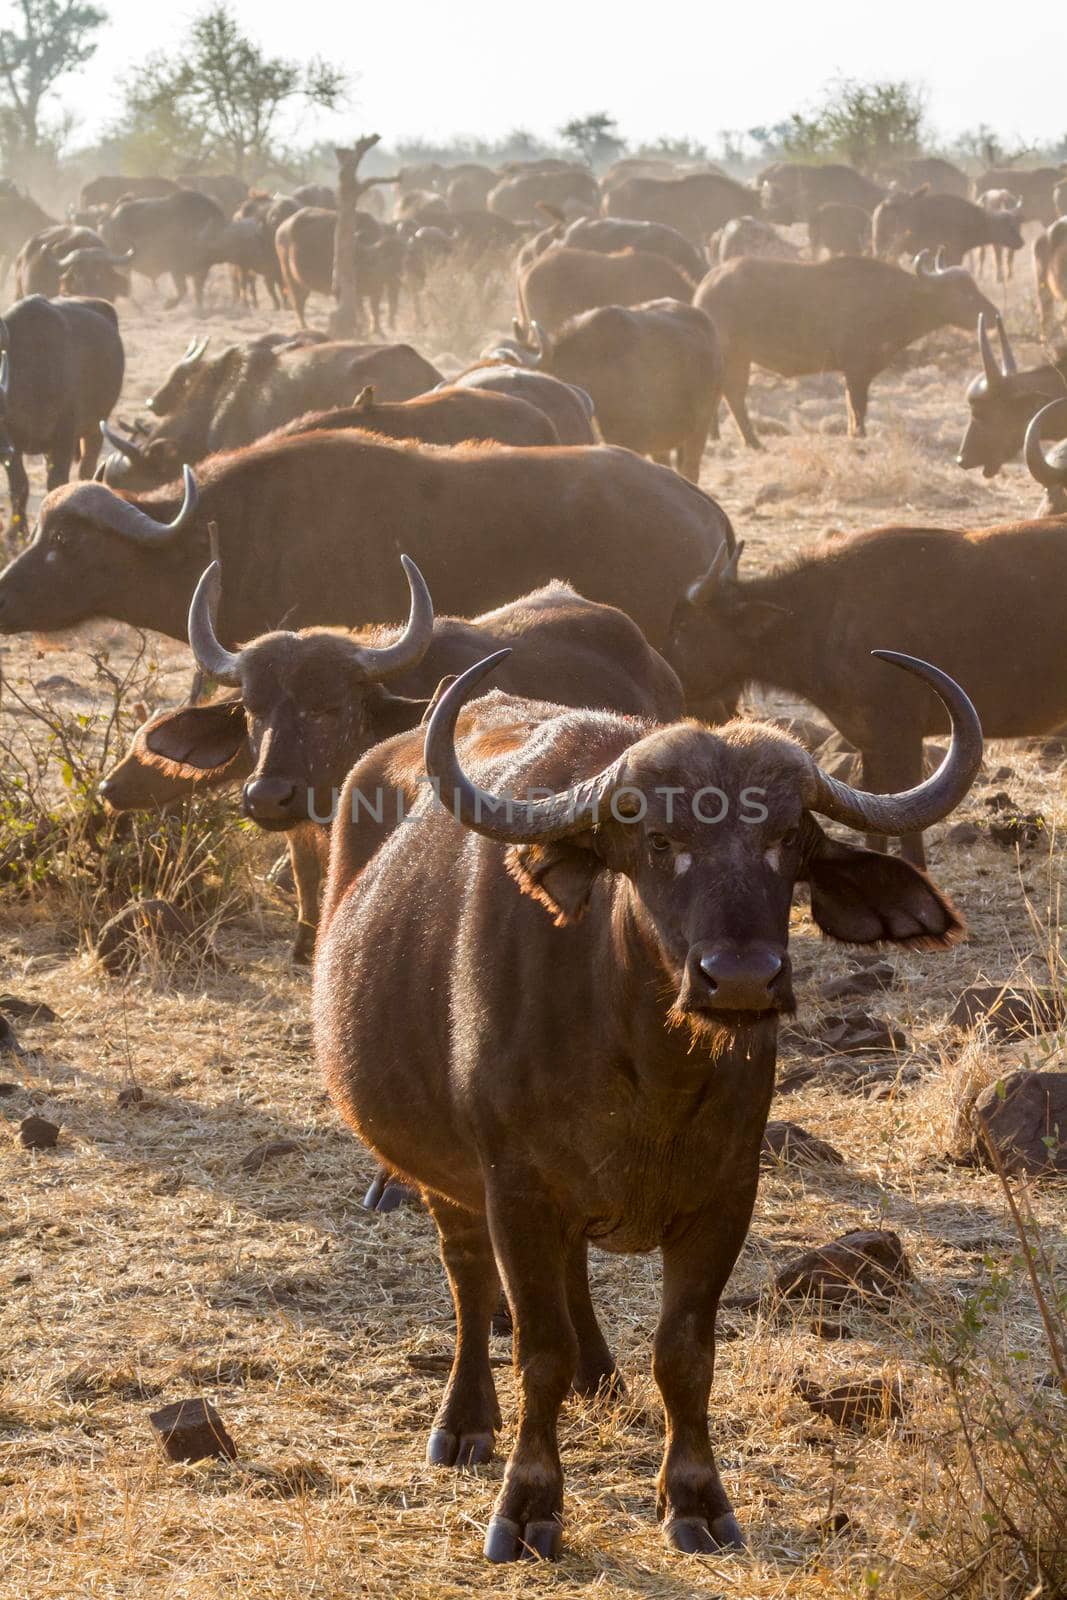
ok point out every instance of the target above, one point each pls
(427, 67)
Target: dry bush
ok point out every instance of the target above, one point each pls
(461, 300)
(895, 473)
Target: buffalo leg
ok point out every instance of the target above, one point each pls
(19, 486)
(89, 454)
(597, 1373)
(691, 453)
(180, 287)
(857, 388)
(735, 390)
(888, 769)
(59, 459)
(533, 1260)
(307, 864)
(691, 1501)
(468, 1416)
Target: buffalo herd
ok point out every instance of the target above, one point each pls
(552, 1007)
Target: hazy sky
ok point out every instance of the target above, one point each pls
(429, 68)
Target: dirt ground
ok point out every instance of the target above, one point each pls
(141, 1261)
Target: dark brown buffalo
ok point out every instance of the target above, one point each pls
(653, 372)
(246, 244)
(1049, 470)
(48, 256)
(609, 235)
(225, 188)
(516, 197)
(316, 701)
(1002, 401)
(750, 236)
(941, 176)
(563, 282)
(792, 191)
(568, 409)
(166, 235)
(19, 218)
(695, 205)
(1050, 273)
(1033, 185)
(61, 370)
(849, 315)
(308, 526)
(840, 230)
(448, 416)
(999, 201)
(905, 224)
(110, 188)
(247, 391)
(469, 185)
(303, 242)
(558, 1017)
(988, 602)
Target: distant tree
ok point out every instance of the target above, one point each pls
(866, 124)
(667, 149)
(48, 39)
(595, 138)
(217, 100)
(770, 139)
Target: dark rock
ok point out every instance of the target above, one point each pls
(139, 925)
(37, 1133)
(12, 1005)
(868, 980)
(795, 1078)
(1002, 775)
(790, 1143)
(192, 1430)
(858, 1033)
(8, 1089)
(8, 1042)
(867, 1261)
(133, 1095)
(56, 684)
(1000, 802)
(1004, 1011)
(964, 833)
(270, 1150)
(859, 1404)
(1024, 1118)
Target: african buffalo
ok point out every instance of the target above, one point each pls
(988, 600)
(63, 257)
(247, 391)
(312, 703)
(449, 415)
(516, 197)
(568, 409)
(166, 235)
(558, 1017)
(1050, 273)
(792, 191)
(1050, 470)
(905, 224)
(850, 315)
(696, 204)
(609, 235)
(564, 281)
(840, 230)
(1000, 202)
(110, 188)
(61, 370)
(653, 372)
(1002, 402)
(307, 525)
(1033, 185)
(750, 236)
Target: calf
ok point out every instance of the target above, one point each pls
(563, 282)
(653, 372)
(1002, 401)
(849, 315)
(315, 701)
(61, 370)
(987, 602)
(558, 1017)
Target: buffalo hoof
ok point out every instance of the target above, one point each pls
(303, 950)
(694, 1537)
(387, 1194)
(444, 1449)
(510, 1541)
(606, 1387)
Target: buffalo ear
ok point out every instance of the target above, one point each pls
(862, 897)
(560, 875)
(206, 738)
(394, 713)
(754, 618)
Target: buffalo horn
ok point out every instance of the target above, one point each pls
(541, 348)
(913, 810)
(212, 657)
(924, 265)
(98, 504)
(992, 372)
(723, 570)
(939, 259)
(1041, 469)
(526, 822)
(193, 351)
(125, 447)
(5, 376)
(1007, 353)
(414, 642)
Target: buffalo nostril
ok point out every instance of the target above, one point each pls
(763, 969)
(269, 797)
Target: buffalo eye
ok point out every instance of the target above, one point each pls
(659, 844)
(790, 837)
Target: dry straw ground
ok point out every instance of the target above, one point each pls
(140, 1262)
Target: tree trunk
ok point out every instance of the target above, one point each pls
(345, 320)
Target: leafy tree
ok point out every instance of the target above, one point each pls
(48, 39)
(596, 138)
(218, 100)
(866, 124)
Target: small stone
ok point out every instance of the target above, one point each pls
(788, 1142)
(868, 980)
(830, 1328)
(270, 1150)
(37, 1133)
(21, 1279)
(8, 1089)
(133, 1095)
(8, 1042)
(858, 1033)
(963, 834)
(1024, 1118)
(867, 1261)
(192, 1430)
(1005, 1012)
(1002, 775)
(860, 1403)
(795, 1079)
(26, 1010)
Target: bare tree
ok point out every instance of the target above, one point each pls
(345, 318)
(51, 38)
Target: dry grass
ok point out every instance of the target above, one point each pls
(140, 1262)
